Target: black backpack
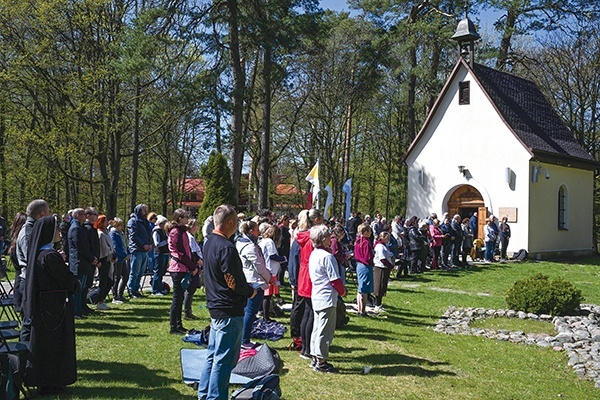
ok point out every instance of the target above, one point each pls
(262, 388)
(520, 255)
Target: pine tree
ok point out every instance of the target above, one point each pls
(218, 188)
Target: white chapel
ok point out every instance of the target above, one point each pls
(493, 144)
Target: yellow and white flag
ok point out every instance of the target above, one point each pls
(313, 178)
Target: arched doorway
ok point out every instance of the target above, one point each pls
(465, 201)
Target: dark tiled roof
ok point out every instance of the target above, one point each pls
(529, 114)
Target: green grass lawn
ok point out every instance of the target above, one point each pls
(127, 352)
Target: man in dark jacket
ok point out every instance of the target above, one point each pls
(140, 243)
(227, 293)
(82, 262)
(474, 225)
(456, 238)
(91, 216)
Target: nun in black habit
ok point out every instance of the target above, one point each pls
(48, 302)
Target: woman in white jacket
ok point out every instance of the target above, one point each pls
(256, 274)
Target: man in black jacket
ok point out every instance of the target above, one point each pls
(82, 262)
(226, 296)
(456, 236)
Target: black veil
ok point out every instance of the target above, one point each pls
(41, 234)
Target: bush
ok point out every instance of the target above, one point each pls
(539, 295)
(218, 188)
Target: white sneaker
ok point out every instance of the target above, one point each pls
(115, 301)
(157, 294)
(102, 306)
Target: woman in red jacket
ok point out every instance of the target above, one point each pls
(306, 220)
(181, 264)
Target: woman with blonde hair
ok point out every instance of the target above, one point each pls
(107, 258)
(268, 244)
(383, 264)
(363, 254)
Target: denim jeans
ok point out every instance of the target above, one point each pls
(489, 250)
(252, 306)
(151, 264)
(223, 352)
(79, 299)
(161, 262)
(137, 262)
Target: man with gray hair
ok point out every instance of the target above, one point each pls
(35, 210)
(226, 296)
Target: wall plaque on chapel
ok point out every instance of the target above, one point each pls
(510, 212)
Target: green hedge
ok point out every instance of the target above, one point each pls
(540, 295)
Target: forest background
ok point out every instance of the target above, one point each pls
(115, 102)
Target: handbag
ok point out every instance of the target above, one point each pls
(185, 281)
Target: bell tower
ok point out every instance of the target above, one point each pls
(465, 36)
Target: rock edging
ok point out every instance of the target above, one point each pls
(578, 336)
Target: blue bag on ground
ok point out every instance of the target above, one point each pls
(262, 388)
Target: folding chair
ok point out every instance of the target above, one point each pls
(19, 349)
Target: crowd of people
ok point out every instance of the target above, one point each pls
(242, 263)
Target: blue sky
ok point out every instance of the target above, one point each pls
(487, 18)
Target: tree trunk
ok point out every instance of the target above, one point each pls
(265, 141)
(412, 88)
(237, 99)
(509, 28)
(135, 161)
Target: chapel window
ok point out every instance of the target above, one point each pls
(464, 93)
(562, 208)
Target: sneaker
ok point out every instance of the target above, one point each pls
(175, 332)
(305, 356)
(157, 294)
(313, 363)
(79, 316)
(102, 306)
(135, 296)
(165, 291)
(117, 301)
(326, 368)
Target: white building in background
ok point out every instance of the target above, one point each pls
(492, 141)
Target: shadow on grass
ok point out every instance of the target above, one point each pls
(93, 328)
(400, 364)
(151, 384)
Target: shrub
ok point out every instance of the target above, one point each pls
(539, 295)
(218, 188)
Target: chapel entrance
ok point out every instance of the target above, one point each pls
(465, 201)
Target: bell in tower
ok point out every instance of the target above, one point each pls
(465, 36)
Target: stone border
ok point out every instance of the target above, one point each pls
(578, 336)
